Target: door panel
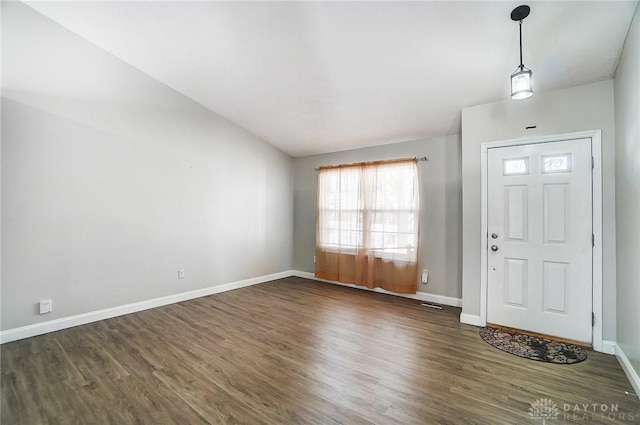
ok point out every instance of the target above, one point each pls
(554, 277)
(516, 282)
(516, 205)
(539, 221)
(555, 217)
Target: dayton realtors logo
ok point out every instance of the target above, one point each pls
(597, 411)
(546, 409)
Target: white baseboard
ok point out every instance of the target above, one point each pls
(94, 316)
(470, 319)
(608, 347)
(422, 296)
(631, 373)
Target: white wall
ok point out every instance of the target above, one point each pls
(440, 226)
(112, 181)
(587, 107)
(627, 107)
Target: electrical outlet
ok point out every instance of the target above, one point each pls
(180, 273)
(425, 275)
(46, 306)
(314, 258)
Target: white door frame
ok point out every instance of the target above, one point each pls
(596, 152)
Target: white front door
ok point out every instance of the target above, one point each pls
(539, 222)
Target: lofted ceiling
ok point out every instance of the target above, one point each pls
(316, 77)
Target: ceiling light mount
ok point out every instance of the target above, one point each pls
(521, 87)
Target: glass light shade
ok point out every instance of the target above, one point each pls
(521, 83)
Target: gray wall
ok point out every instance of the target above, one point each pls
(627, 104)
(111, 182)
(440, 226)
(587, 107)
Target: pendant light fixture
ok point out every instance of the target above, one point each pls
(521, 87)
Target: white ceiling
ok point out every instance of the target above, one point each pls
(315, 77)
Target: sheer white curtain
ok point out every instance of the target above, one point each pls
(368, 224)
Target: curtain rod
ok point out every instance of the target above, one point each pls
(424, 158)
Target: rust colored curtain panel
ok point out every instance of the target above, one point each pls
(368, 224)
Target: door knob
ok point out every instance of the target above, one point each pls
(494, 248)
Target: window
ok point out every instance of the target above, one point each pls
(370, 210)
(556, 163)
(515, 166)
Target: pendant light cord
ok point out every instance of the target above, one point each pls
(520, 27)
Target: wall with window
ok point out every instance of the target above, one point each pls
(112, 181)
(440, 226)
(587, 107)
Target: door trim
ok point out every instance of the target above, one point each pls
(596, 210)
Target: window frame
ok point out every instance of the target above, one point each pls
(366, 231)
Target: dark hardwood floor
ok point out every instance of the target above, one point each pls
(295, 351)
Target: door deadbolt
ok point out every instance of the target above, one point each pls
(494, 248)
(494, 236)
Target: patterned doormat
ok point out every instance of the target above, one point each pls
(531, 347)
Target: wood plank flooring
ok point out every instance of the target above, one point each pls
(295, 351)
